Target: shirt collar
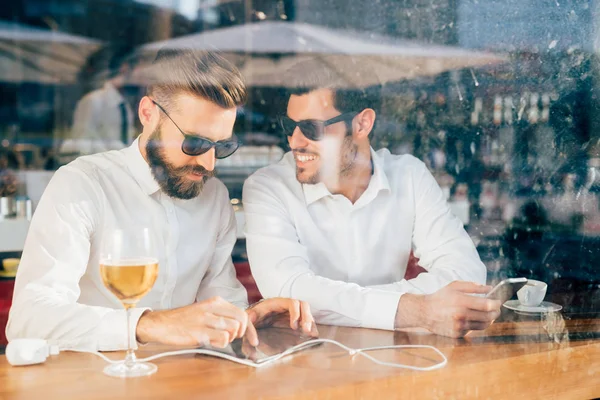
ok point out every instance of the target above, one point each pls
(316, 192)
(378, 182)
(140, 169)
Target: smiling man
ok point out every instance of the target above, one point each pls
(164, 181)
(334, 224)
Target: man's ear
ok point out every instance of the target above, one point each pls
(364, 122)
(147, 112)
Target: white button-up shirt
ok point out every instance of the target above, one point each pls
(97, 124)
(59, 294)
(348, 260)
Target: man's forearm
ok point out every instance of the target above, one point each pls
(74, 325)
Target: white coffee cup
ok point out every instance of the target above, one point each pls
(533, 293)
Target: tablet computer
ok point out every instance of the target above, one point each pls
(273, 342)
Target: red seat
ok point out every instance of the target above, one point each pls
(413, 269)
(244, 275)
(6, 291)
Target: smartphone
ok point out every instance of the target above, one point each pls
(506, 289)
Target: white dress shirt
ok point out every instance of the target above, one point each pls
(97, 124)
(59, 293)
(348, 260)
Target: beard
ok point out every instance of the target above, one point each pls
(171, 179)
(348, 153)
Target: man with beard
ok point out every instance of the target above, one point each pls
(164, 182)
(334, 224)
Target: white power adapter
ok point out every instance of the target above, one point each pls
(29, 351)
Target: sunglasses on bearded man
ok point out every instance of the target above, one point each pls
(195, 145)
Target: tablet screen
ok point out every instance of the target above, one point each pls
(272, 342)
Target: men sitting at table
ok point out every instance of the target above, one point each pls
(334, 223)
(165, 181)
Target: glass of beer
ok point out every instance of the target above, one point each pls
(129, 267)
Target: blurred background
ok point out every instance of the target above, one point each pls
(497, 97)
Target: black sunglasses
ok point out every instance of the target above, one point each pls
(313, 129)
(195, 145)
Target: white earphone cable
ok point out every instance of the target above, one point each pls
(268, 361)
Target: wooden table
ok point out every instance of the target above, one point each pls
(521, 357)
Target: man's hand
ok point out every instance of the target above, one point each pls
(451, 311)
(283, 312)
(279, 312)
(214, 321)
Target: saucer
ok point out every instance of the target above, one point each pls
(8, 274)
(545, 307)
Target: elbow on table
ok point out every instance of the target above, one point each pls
(15, 327)
(23, 322)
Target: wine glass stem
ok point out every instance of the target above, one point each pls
(130, 357)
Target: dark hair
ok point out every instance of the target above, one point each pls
(105, 63)
(328, 72)
(206, 74)
(118, 57)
